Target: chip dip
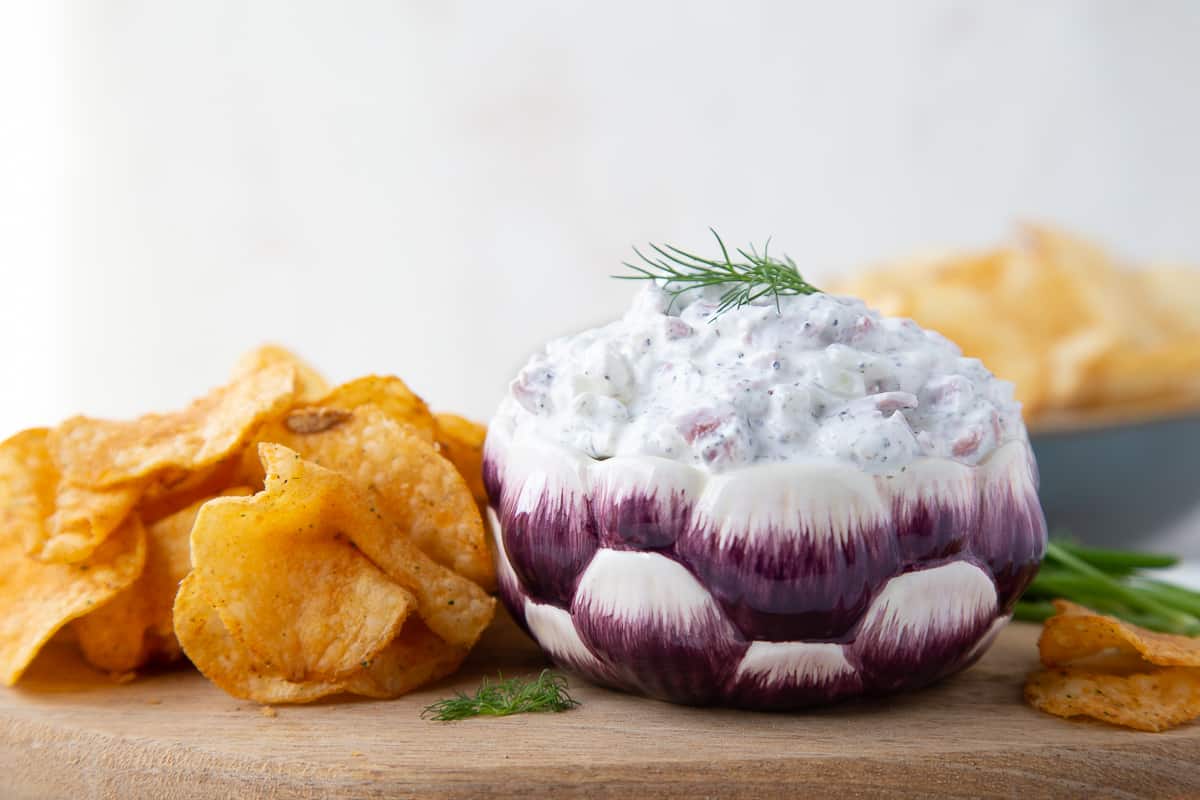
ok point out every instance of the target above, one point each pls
(818, 376)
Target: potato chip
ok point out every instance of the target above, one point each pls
(38, 598)
(1074, 330)
(1151, 701)
(228, 664)
(461, 441)
(56, 521)
(1077, 633)
(164, 498)
(103, 453)
(1172, 292)
(415, 489)
(83, 518)
(415, 658)
(136, 626)
(282, 570)
(310, 385)
(391, 396)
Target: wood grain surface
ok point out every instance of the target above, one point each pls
(68, 732)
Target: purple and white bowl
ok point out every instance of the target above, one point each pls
(782, 504)
(773, 586)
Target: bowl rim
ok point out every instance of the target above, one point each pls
(1079, 423)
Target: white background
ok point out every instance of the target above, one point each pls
(434, 188)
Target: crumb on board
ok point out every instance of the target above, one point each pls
(267, 711)
(154, 701)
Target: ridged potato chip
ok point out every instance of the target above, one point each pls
(282, 569)
(82, 519)
(310, 384)
(1083, 337)
(415, 489)
(311, 587)
(1077, 633)
(226, 662)
(461, 442)
(38, 598)
(1147, 701)
(136, 626)
(416, 657)
(56, 521)
(1113, 671)
(103, 453)
(391, 396)
(161, 499)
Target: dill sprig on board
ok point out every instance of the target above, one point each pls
(755, 276)
(547, 692)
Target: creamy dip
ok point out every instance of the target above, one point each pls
(818, 376)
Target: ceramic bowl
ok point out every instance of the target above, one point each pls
(773, 586)
(1126, 483)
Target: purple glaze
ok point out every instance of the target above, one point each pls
(548, 544)
(781, 587)
(927, 530)
(672, 649)
(893, 656)
(1011, 538)
(641, 521)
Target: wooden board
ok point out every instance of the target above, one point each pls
(71, 733)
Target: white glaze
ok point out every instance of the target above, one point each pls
(931, 602)
(794, 663)
(645, 587)
(555, 632)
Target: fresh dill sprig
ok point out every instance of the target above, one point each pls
(547, 692)
(757, 275)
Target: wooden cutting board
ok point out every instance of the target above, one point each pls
(68, 732)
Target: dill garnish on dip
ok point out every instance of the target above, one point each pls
(724, 363)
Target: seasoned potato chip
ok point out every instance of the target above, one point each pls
(282, 570)
(461, 441)
(1080, 335)
(136, 626)
(1151, 701)
(416, 657)
(56, 520)
(415, 489)
(391, 396)
(315, 419)
(82, 519)
(228, 664)
(38, 598)
(1076, 633)
(102, 453)
(166, 497)
(310, 385)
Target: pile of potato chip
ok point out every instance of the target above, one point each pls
(1101, 667)
(293, 541)
(1079, 335)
